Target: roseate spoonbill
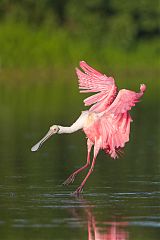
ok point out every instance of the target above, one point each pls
(107, 122)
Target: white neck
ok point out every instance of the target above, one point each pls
(75, 126)
(63, 129)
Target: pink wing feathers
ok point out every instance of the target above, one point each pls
(114, 132)
(125, 100)
(93, 81)
(115, 122)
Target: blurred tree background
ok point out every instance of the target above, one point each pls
(41, 42)
(61, 32)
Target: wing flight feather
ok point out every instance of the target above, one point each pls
(115, 121)
(90, 80)
(125, 100)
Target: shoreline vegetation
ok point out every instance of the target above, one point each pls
(43, 41)
(48, 57)
(22, 47)
(58, 34)
(44, 55)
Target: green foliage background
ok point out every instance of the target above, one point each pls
(57, 33)
(41, 42)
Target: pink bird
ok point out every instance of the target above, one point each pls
(106, 123)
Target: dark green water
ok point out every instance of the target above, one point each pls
(121, 199)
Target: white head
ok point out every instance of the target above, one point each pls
(53, 130)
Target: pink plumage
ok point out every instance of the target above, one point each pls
(108, 120)
(110, 117)
(106, 123)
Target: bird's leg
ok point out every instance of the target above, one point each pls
(96, 150)
(72, 176)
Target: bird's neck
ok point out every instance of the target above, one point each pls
(70, 129)
(77, 125)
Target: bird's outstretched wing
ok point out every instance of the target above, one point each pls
(115, 121)
(125, 100)
(93, 81)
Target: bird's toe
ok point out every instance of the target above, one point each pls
(78, 191)
(69, 180)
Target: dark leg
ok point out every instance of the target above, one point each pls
(96, 150)
(72, 176)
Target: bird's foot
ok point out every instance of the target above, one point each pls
(78, 191)
(69, 180)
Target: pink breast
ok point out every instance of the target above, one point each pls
(92, 132)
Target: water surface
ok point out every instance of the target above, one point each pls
(121, 198)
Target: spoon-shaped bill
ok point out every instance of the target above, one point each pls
(39, 144)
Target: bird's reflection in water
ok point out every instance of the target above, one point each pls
(109, 230)
(116, 229)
